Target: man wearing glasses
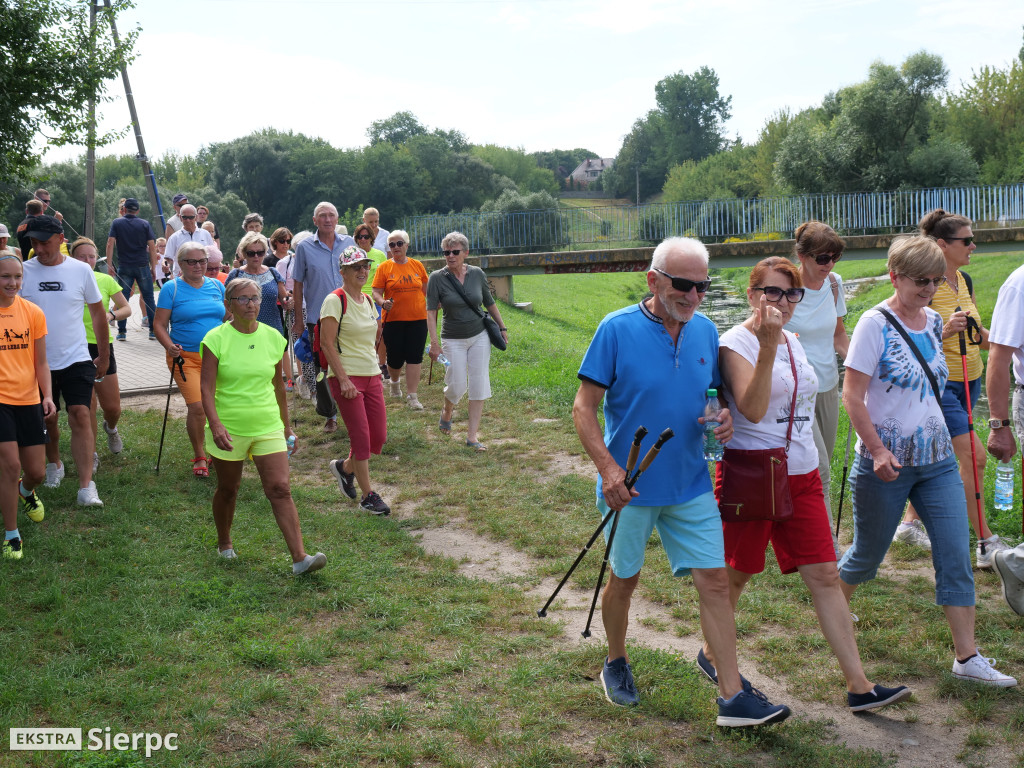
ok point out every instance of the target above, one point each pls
(315, 274)
(652, 364)
(136, 259)
(174, 223)
(190, 232)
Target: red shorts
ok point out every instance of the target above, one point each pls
(803, 539)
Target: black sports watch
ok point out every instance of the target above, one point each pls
(997, 424)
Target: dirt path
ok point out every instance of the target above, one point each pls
(929, 742)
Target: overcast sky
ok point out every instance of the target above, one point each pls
(536, 74)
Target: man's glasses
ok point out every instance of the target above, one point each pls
(966, 240)
(922, 282)
(246, 300)
(775, 294)
(827, 258)
(193, 262)
(252, 254)
(399, 244)
(187, 218)
(684, 285)
(453, 252)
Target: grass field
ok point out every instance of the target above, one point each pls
(126, 618)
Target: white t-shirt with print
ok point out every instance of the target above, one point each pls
(1008, 320)
(899, 398)
(62, 292)
(770, 432)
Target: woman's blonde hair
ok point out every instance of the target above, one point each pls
(916, 256)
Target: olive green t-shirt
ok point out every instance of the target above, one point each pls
(459, 321)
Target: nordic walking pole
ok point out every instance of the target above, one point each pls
(651, 454)
(634, 451)
(180, 362)
(970, 431)
(846, 467)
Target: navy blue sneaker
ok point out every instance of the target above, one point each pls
(705, 666)
(617, 681)
(879, 696)
(749, 707)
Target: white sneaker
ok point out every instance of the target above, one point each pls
(310, 564)
(993, 544)
(913, 533)
(414, 402)
(54, 474)
(87, 497)
(978, 669)
(95, 462)
(227, 554)
(395, 388)
(114, 442)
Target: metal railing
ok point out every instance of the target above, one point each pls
(714, 220)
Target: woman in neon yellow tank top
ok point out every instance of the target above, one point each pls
(954, 301)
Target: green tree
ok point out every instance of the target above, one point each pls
(47, 77)
(396, 130)
(727, 174)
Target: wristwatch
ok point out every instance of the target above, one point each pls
(997, 424)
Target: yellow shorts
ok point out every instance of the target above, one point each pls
(244, 446)
(193, 366)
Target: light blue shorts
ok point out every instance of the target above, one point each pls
(691, 534)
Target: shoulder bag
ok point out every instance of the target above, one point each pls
(755, 483)
(493, 331)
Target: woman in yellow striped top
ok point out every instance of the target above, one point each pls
(954, 301)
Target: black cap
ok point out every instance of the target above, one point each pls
(43, 228)
(131, 204)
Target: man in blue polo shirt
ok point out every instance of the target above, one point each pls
(136, 259)
(652, 365)
(316, 273)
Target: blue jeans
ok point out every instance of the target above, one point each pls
(143, 277)
(938, 496)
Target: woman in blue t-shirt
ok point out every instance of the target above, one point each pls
(193, 305)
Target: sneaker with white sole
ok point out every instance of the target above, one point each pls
(978, 669)
(749, 707)
(32, 506)
(309, 564)
(228, 554)
(374, 504)
(346, 480)
(617, 682)
(1013, 585)
(983, 554)
(877, 697)
(88, 497)
(414, 402)
(913, 533)
(54, 474)
(394, 389)
(114, 442)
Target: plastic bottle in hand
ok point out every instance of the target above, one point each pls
(443, 361)
(291, 445)
(1004, 485)
(712, 448)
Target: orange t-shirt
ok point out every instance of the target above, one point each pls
(404, 284)
(21, 325)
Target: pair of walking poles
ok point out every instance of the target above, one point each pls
(613, 516)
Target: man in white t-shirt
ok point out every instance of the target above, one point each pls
(190, 232)
(1006, 346)
(63, 287)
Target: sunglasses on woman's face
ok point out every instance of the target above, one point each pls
(966, 240)
(363, 237)
(452, 252)
(826, 258)
(922, 282)
(251, 254)
(683, 285)
(396, 244)
(774, 293)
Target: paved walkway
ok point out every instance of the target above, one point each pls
(141, 363)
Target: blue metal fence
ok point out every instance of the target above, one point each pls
(715, 220)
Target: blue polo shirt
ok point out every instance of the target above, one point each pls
(133, 235)
(651, 381)
(316, 267)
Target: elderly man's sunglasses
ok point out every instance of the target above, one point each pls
(684, 285)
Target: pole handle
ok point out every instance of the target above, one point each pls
(665, 436)
(634, 449)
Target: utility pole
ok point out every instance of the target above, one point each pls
(90, 158)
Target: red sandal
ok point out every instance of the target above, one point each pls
(200, 471)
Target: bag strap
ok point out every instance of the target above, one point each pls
(916, 351)
(792, 405)
(462, 293)
(835, 288)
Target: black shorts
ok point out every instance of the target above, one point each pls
(405, 340)
(94, 352)
(22, 424)
(75, 384)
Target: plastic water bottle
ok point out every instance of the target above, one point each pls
(444, 361)
(1004, 485)
(712, 448)
(291, 444)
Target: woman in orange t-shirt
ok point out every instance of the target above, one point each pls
(23, 375)
(400, 289)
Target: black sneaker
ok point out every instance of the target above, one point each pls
(346, 480)
(374, 504)
(617, 682)
(879, 696)
(704, 665)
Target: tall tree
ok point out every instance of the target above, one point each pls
(47, 77)
(397, 129)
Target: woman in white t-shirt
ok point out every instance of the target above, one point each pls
(903, 448)
(818, 321)
(758, 359)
